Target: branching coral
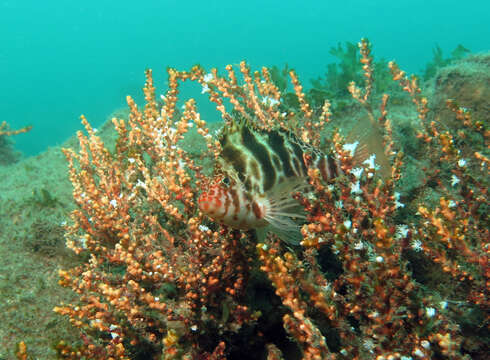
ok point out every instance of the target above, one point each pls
(157, 281)
(7, 154)
(162, 281)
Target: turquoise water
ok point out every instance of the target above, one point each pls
(61, 59)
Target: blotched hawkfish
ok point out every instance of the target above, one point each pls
(259, 171)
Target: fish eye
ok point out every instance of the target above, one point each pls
(226, 181)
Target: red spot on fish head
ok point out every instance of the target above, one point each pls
(210, 202)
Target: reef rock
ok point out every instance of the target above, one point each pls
(468, 83)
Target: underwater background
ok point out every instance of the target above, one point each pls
(61, 59)
(111, 242)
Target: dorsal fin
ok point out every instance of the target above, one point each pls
(369, 136)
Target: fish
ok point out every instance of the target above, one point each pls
(258, 172)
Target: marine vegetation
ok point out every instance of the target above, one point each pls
(439, 61)
(339, 74)
(169, 276)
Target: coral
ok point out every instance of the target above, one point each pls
(159, 282)
(4, 130)
(163, 282)
(7, 154)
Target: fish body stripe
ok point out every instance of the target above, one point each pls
(277, 142)
(232, 207)
(262, 155)
(262, 159)
(258, 164)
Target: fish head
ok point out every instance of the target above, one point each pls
(212, 201)
(229, 203)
